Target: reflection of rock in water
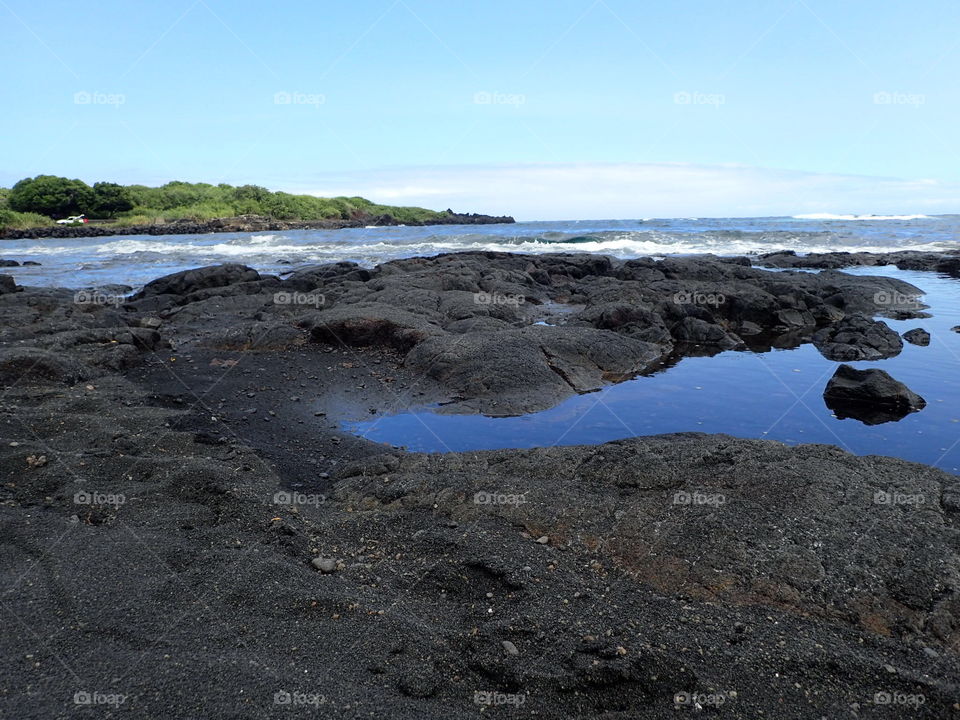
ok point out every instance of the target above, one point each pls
(870, 396)
(868, 414)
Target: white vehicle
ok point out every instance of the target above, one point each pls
(72, 219)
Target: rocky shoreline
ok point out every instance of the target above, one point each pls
(243, 223)
(188, 533)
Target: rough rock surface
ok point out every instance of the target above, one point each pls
(189, 281)
(917, 336)
(871, 396)
(462, 310)
(947, 263)
(7, 284)
(857, 337)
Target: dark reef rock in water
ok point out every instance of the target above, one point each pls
(188, 281)
(7, 284)
(858, 338)
(870, 396)
(917, 336)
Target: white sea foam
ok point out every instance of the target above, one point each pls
(831, 216)
(132, 259)
(627, 244)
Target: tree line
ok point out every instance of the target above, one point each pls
(43, 199)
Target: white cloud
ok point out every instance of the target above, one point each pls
(635, 190)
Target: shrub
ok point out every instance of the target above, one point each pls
(21, 221)
(57, 197)
(110, 199)
(178, 200)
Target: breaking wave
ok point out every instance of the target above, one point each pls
(134, 259)
(831, 216)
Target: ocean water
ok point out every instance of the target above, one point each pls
(135, 259)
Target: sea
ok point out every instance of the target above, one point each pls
(135, 259)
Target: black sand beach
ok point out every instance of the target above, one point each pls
(188, 533)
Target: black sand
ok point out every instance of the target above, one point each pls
(187, 534)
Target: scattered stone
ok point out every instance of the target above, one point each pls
(36, 461)
(510, 648)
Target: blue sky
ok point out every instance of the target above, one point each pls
(547, 109)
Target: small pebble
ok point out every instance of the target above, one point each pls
(324, 565)
(510, 648)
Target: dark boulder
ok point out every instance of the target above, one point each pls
(309, 278)
(871, 396)
(7, 284)
(371, 324)
(28, 364)
(700, 332)
(949, 266)
(9, 263)
(858, 338)
(917, 336)
(792, 319)
(188, 281)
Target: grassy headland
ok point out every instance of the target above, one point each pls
(40, 201)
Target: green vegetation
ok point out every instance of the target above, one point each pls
(22, 221)
(110, 199)
(50, 195)
(40, 200)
